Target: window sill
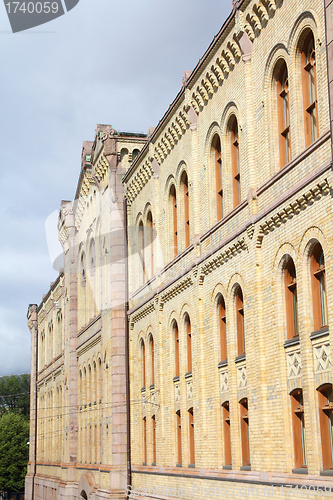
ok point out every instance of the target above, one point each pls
(188, 375)
(153, 464)
(301, 470)
(328, 472)
(176, 378)
(179, 465)
(292, 341)
(320, 333)
(152, 386)
(191, 466)
(143, 389)
(227, 467)
(240, 358)
(222, 364)
(245, 467)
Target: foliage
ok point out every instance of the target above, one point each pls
(14, 436)
(15, 394)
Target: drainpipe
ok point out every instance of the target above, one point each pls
(129, 472)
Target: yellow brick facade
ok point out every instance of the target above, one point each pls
(282, 213)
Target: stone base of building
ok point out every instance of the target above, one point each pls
(41, 487)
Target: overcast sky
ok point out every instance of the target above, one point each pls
(105, 61)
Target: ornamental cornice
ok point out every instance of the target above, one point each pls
(178, 288)
(223, 256)
(87, 182)
(140, 179)
(145, 311)
(101, 168)
(292, 209)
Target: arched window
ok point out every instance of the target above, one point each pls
(318, 282)
(297, 409)
(226, 433)
(235, 165)
(291, 299)
(176, 340)
(179, 437)
(245, 432)
(283, 114)
(141, 249)
(309, 81)
(173, 200)
(189, 343)
(143, 358)
(151, 241)
(184, 183)
(325, 398)
(222, 327)
(135, 153)
(152, 354)
(191, 437)
(240, 321)
(216, 153)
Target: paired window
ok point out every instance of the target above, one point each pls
(298, 425)
(283, 114)
(153, 422)
(184, 184)
(150, 227)
(143, 359)
(144, 441)
(226, 433)
(189, 343)
(216, 153)
(176, 340)
(243, 404)
(191, 436)
(290, 286)
(309, 82)
(173, 201)
(318, 284)
(142, 250)
(179, 437)
(240, 321)
(152, 359)
(325, 398)
(146, 239)
(234, 137)
(222, 327)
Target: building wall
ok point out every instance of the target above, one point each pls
(80, 427)
(282, 213)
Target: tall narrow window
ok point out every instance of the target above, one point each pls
(222, 327)
(184, 181)
(142, 250)
(189, 343)
(179, 437)
(176, 338)
(310, 90)
(173, 198)
(283, 115)
(151, 241)
(191, 436)
(291, 299)
(152, 353)
(144, 441)
(216, 150)
(298, 428)
(226, 433)
(325, 395)
(143, 357)
(240, 321)
(318, 279)
(235, 161)
(153, 421)
(245, 432)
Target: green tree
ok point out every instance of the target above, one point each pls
(14, 436)
(15, 394)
